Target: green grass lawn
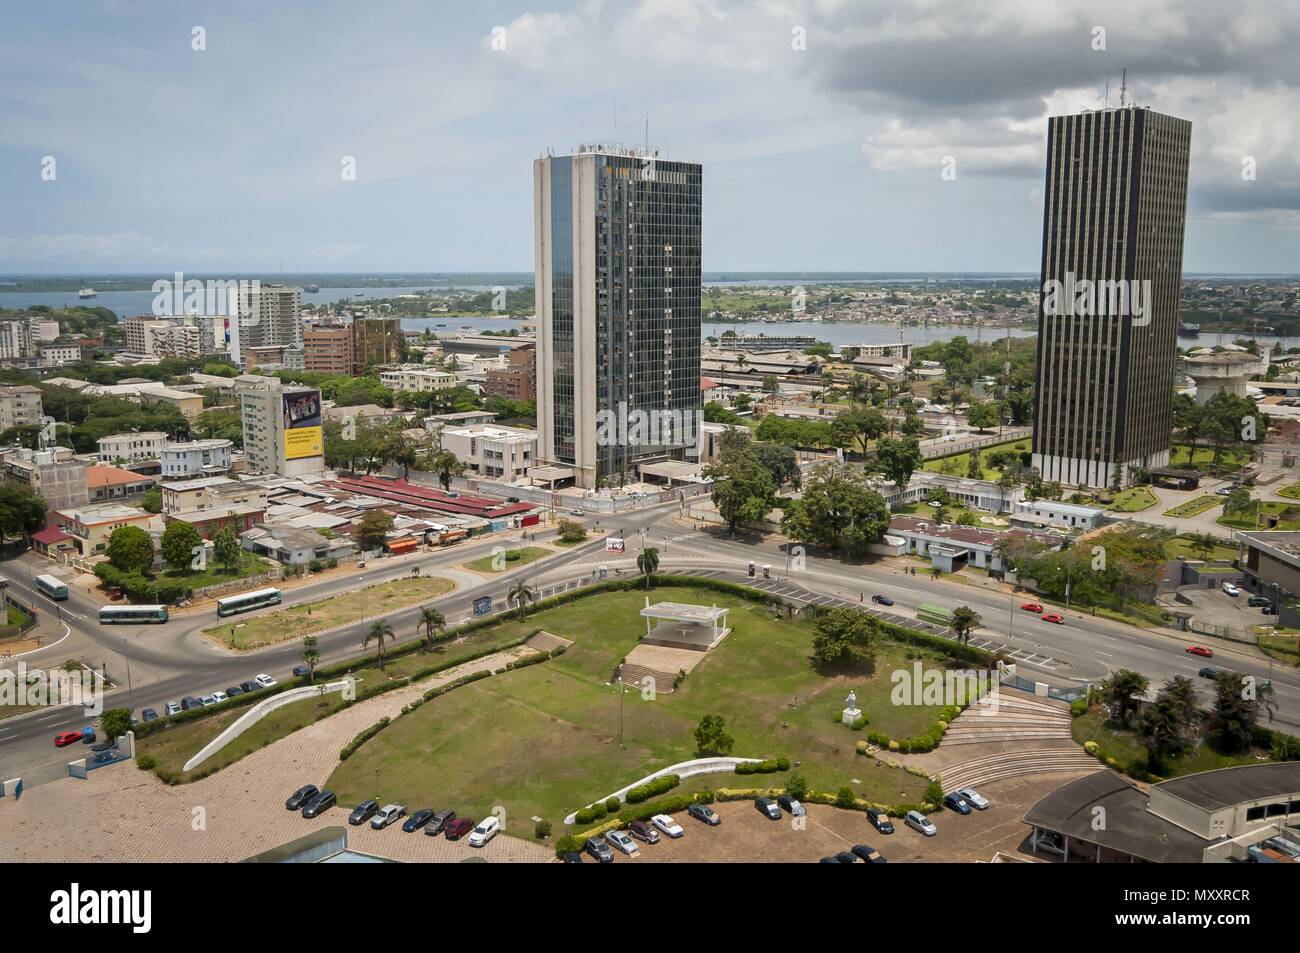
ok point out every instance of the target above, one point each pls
(1253, 517)
(957, 465)
(1282, 646)
(293, 622)
(1203, 457)
(1122, 745)
(216, 574)
(1291, 492)
(1182, 546)
(1194, 506)
(172, 747)
(513, 559)
(17, 616)
(1133, 500)
(544, 740)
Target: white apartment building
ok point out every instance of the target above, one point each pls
(132, 447)
(43, 329)
(270, 316)
(53, 355)
(15, 340)
(195, 458)
(417, 378)
(504, 453)
(20, 406)
(142, 333)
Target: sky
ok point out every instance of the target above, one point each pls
(215, 137)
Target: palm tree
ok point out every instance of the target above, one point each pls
(648, 563)
(379, 631)
(1123, 689)
(432, 620)
(1204, 543)
(521, 594)
(310, 656)
(963, 621)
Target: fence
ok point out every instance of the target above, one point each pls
(1044, 689)
(14, 631)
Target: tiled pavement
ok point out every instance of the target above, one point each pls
(122, 814)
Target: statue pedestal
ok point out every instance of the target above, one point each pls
(850, 715)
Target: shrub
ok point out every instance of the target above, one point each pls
(1078, 707)
(584, 816)
(1091, 747)
(845, 798)
(568, 845)
(362, 737)
(859, 723)
(660, 785)
(894, 745)
(542, 829)
(862, 747)
(796, 786)
(612, 805)
(146, 762)
(933, 793)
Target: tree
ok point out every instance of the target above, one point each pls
(225, 546)
(974, 469)
(844, 638)
(781, 461)
(796, 786)
(179, 542)
(310, 655)
(984, 414)
(1236, 711)
(743, 489)
(1123, 689)
(130, 549)
(373, 528)
(963, 621)
(447, 465)
(570, 531)
(898, 458)
(432, 620)
(648, 562)
(1161, 728)
(520, 595)
(839, 509)
(711, 738)
(379, 631)
(21, 511)
(151, 502)
(115, 722)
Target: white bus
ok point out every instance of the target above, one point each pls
(248, 601)
(133, 615)
(54, 588)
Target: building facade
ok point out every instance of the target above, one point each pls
(20, 406)
(327, 350)
(617, 292)
(269, 316)
(282, 426)
(518, 379)
(132, 447)
(492, 451)
(195, 458)
(1115, 202)
(377, 341)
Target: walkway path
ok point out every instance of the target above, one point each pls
(123, 814)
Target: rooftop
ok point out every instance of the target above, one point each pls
(1224, 787)
(112, 476)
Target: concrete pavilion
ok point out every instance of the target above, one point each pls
(683, 625)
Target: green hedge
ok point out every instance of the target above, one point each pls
(138, 588)
(364, 736)
(660, 785)
(763, 767)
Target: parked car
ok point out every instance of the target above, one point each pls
(234, 690)
(1259, 601)
(458, 828)
(387, 815)
(1223, 491)
(65, 738)
(1031, 607)
(620, 841)
(487, 829)
(882, 600)
(220, 697)
(87, 735)
(249, 686)
(207, 701)
(597, 848)
(867, 854)
(919, 822)
(417, 820)
(702, 812)
(954, 802)
(880, 820)
(265, 681)
(844, 857)
(319, 804)
(1054, 617)
(768, 807)
(829, 860)
(299, 671)
(1231, 590)
(171, 708)
(1269, 610)
(666, 824)
(1210, 671)
(579, 512)
(363, 812)
(791, 806)
(571, 857)
(189, 703)
(971, 797)
(300, 797)
(1200, 650)
(643, 831)
(148, 715)
(438, 823)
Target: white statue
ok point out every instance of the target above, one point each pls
(852, 701)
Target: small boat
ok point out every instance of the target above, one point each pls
(87, 293)
(1189, 330)
(311, 289)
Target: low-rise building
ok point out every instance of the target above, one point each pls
(952, 547)
(292, 546)
(518, 379)
(56, 355)
(20, 406)
(493, 451)
(53, 473)
(91, 525)
(105, 484)
(416, 378)
(1056, 513)
(196, 458)
(132, 447)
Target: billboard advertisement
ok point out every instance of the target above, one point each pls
(302, 425)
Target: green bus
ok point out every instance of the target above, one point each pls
(133, 615)
(248, 601)
(56, 589)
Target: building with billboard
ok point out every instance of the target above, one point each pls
(282, 426)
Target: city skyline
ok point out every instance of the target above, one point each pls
(845, 135)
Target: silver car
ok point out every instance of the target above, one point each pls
(972, 798)
(387, 815)
(919, 822)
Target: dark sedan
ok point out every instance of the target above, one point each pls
(417, 820)
(955, 802)
(880, 820)
(436, 824)
(299, 798)
(363, 812)
(319, 804)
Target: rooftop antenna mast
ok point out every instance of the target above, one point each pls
(1123, 87)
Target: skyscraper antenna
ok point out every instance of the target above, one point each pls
(1123, 87)
(647, 132)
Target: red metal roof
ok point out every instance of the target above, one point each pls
(413, 494)
(48, 537)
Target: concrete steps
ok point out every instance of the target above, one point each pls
(634, 676)
(1015, 764)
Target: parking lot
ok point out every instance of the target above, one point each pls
(1218, 608)
(746, 836)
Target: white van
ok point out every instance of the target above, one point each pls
(486, 830)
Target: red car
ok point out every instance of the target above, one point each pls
(458, 828)
(1031, 607)
(1053, 617)
(63, 739)
(1200, 650)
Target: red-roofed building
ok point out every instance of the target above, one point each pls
(49, 542)
(428, 498)
(105, 484)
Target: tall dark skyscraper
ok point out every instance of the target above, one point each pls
(617, 247)
(1114, 208)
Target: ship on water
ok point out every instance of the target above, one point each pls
(1188, 330)
(311, 289)
(87, 293)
